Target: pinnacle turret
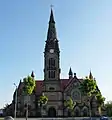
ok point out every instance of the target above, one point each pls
(90, 75)
(32, 74)
(70, 73)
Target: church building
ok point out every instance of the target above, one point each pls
(56, 89)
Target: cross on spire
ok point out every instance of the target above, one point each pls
(51, 6)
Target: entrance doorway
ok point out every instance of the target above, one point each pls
(52, 112)
(77, 113)
(85, 113)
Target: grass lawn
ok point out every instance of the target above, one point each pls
(1, 118)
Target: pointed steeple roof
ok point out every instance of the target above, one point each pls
(51, 17)
(70, 71)
(90, 75)
(32, 74)
(52, 41)
(51, 35)
(20, 81)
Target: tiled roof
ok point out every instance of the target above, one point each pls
(64, 83)
(39, 85)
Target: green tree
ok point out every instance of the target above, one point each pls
(43, 99)
(70, 105)
(108, 106)
(6, 105)
(100, 101)
(29, 85)
(5, 109)
(88, 87)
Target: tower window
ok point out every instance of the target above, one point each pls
(51, 62)
(51, 88)
(51, 74)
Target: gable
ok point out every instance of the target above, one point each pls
(74, 82)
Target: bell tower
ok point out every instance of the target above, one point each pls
(52, 83)
(51, 57)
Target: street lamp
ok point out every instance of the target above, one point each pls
(15, 109)
(40, 107)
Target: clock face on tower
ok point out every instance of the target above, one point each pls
(51, 51)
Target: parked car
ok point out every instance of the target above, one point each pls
(8, 118)
(104, 118)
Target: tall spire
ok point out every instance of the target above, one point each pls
(52, 41)
(51, 35)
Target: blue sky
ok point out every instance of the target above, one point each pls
(84, 31)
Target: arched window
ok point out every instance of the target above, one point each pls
(76, 95)
(51, 62)
(51, 74)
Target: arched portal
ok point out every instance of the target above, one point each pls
(52, 112)
(77, 113)
(69, 113)
(85, 112)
